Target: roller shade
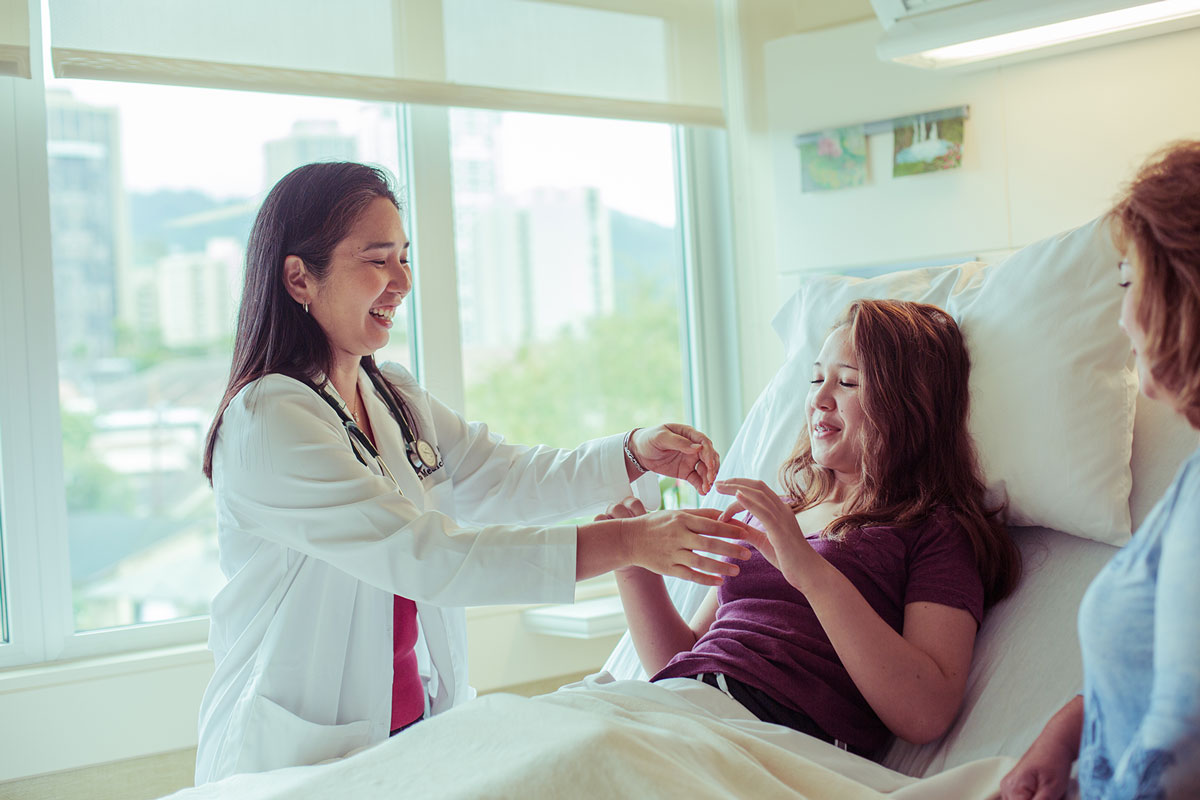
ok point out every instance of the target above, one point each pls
(630, 59)
(14, 38)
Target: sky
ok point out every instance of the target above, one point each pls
(167, 131)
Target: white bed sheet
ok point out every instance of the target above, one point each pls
(604, 739)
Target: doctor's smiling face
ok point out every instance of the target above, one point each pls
(835, 413)
(356, 297)
(368, 277)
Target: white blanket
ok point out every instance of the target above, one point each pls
(604, 739)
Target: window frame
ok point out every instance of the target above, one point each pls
(36, 573)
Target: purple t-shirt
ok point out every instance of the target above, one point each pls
(766, 634)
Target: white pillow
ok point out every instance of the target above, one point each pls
(1052, 396)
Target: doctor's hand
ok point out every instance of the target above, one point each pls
(677, 451)
(680, 543)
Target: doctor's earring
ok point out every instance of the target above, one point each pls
(306, 308)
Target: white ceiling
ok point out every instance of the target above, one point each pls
(811, 15)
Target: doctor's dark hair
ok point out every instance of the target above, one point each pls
(1158, 217)
(917, 453)
(306, 214)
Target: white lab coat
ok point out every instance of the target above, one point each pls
(314, 545)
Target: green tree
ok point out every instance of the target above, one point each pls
(90, 485)
(622, 370)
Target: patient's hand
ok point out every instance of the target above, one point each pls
(629, 507)
(783, 544)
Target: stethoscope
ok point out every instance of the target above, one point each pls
(423, 456)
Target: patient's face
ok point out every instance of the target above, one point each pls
(835, 415)
(1133, 329)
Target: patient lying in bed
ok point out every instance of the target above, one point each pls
(856, 617)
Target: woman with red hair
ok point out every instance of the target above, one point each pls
(1135, 729)
(855, 616)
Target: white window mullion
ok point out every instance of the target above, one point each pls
(35, 511)
(18, 513)
(702, 188)
(45, 421)
(689, 348)
(431, 222)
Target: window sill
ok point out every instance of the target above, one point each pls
(591, 589)
(57, 673)
(601, 617)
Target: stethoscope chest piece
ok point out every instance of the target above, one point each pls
(423, 456)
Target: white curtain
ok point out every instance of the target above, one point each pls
(630, 59)
(14, 38)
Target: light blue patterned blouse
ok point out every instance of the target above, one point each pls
(1139, 629)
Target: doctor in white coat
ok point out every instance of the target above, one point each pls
(357, 514)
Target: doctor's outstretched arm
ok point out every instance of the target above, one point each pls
(665, 542)
(288, 476)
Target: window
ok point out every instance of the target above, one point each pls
(570, 274)
(569, 248)
(153, 191)
(139, 197)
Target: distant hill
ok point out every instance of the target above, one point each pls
(646, 256)
(172, 221)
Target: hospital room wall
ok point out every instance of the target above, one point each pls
(1047, 145)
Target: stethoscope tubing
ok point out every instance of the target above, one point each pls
(412, 442)
(356, 434)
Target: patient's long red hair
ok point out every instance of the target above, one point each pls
(917, 454)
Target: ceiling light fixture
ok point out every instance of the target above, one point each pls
(938, 39)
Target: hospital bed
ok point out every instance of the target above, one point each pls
(1062, 436)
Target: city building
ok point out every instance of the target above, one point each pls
(310, 140)
(87, 209)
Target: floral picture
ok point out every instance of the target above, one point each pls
(834, 160)
(924, 145)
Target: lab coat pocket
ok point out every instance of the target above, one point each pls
(275, 738)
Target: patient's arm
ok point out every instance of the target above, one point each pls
(914, 680)
(1043, 772)
(657, 629)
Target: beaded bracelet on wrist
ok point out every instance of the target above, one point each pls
(629, 452)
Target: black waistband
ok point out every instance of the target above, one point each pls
(768, 709)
